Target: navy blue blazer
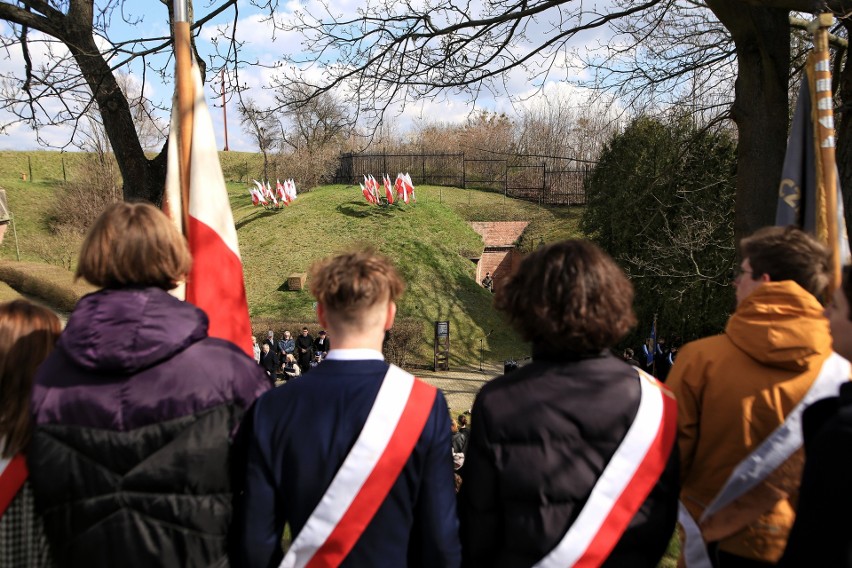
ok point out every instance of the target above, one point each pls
(297, 438)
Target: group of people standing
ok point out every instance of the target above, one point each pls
(135, 439)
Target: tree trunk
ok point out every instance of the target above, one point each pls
(760, 110)
(844, 132)
(143, 179)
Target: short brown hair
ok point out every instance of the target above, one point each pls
(134, 244)
(788, 253)
(352, 282)
(569, 296)
(27, 335)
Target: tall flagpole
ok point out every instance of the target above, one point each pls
(186, 101)
(823, 118)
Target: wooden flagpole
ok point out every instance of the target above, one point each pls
(823, 118)
(186, 102)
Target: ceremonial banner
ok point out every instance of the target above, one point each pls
(809, 195)
(215, 283)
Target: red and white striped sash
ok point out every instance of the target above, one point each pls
(625, 483)
(13, 474)
(369, 471)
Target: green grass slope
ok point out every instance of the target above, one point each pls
(424, 239)
(430, 241)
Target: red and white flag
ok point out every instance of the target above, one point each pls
(409, 187)
(291, 189)
(282, 192)
(367, 195)
(402, 188)
(215, 283)
(388, 188)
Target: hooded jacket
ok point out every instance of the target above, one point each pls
(735, 389)
(134, 411)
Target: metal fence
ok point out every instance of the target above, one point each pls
(554, 181)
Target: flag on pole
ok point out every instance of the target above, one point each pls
(388, 188)
(809, 195)
(215, 283)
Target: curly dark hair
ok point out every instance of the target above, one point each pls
(569, 297)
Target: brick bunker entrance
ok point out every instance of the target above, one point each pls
(500, 255)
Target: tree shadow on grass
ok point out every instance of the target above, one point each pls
(254, 217)
(362, 209)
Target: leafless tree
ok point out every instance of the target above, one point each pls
(263, 127)
(71, 58)
(403, 50)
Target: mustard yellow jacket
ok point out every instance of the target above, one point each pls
(734, 389)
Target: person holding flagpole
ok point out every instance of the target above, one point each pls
(134, 409)
(372, 485)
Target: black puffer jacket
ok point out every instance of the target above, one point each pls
(134, 411)
(540, 438)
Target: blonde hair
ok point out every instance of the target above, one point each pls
(28, 334)
(134, 244)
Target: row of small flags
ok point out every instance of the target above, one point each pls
(403, 188)
(284, 194)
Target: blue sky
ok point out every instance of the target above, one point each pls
(149, 19)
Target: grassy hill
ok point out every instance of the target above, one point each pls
(430, 241)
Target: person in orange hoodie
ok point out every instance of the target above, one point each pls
(740, 398)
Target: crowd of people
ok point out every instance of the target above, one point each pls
(132, 438)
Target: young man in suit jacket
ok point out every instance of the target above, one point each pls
(409, 519)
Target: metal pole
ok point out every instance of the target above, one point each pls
(224, 110)
(30, 167)
(15, 234)
(64, 177)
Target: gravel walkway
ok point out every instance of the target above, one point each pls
(460, 385)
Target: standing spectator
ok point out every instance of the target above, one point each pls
(537, 485)
(627, 356)
(488, 282)
(403, 509)
(134, 409)
(286, 346)
(304, 350)
(459, 439)
(321, 345)
(464, 430)
(736, 390)
(270, 340)
(818, 537)
(255, 347)
(269, 361)
(27, 335)
(662, 363)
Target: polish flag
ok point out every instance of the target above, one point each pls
(366, 193)
(282, 193)
(402, 188)
(388, 188)
(409, 186)
(254, 200)
(291, 189)
(215, 283)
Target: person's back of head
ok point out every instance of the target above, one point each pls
(134, 244)
(568, 297)
(28, 334)
(788, 253)
(354, 291)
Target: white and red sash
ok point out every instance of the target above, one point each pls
(13, 474)
(785, 440)
(369, 471)
(625, 483)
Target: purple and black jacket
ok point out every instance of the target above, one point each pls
(134, 412)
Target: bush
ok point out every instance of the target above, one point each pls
(402, 341)
(95, 184)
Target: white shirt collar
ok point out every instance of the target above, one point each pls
(354, 355)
